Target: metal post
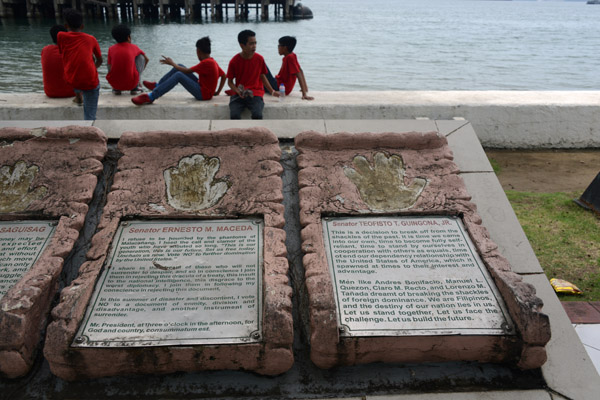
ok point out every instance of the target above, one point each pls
(29, 8)
(287, 11)
(187, 4)
(264, 9)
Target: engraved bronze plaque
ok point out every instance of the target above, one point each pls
(21, 244)
(406, 276)
(178, 282)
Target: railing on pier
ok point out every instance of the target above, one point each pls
(147, 8)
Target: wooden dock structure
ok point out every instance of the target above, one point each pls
(133, 9)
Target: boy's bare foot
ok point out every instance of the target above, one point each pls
(78, 99)
(149, 85)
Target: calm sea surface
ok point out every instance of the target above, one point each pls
(369, 45)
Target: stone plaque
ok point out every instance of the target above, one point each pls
(406, 276)
(178, 282)
(21, 243)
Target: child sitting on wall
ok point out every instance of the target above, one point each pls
(290, 69)
(53, 72)
(246, 77)
(202, 87)
(126, 62)
(81, 58)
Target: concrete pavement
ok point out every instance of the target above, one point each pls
(502, 119)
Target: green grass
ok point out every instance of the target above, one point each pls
(495, 166)
(564, 237)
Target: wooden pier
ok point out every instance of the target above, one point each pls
(133, 9)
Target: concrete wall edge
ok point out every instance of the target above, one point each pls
(502, 119)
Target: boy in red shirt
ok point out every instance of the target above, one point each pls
(81, 58)
(290, 69)
(247, 79)
(126, 62)
(202, 87)
(53, 72)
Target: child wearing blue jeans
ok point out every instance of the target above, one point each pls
(202, 87)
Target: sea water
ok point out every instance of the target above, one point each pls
(353, 45)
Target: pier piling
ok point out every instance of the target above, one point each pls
(133, 9)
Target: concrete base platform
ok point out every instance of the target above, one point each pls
(502, 119)
(568, 373)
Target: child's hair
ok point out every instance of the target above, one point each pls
(54, 31)
(244, 35)
(288, 41)
(120, 33)
(73, 18)
(203, 44)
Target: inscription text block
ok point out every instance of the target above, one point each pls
(405, 276)
(178, 282)
(21, 243)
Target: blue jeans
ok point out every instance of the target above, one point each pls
(254, 104)
(172, 78)
(90, 102)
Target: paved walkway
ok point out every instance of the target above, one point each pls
(585, 317)
(502, 119)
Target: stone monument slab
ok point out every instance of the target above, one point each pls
(209, 179)
(46, 174)
(362, 199)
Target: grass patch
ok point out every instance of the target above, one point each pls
(495, 165)
(564, 237)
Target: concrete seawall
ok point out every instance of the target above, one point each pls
(502, 119)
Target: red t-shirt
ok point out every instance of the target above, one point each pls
(121, 57)
(287, 73)
(247, 72)
(77, 49)
(53, 73)
(209, 73)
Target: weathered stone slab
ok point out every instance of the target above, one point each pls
(45, 174)
(400, 175)
(195, 176)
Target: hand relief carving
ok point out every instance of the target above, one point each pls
(16, 193)
(382, 186)
(192, 186)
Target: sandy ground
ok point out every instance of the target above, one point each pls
(546, 171)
